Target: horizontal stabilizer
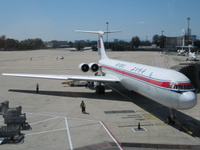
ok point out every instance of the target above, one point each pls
(96, 32)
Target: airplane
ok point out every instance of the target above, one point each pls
(165, 86)
(191, 55)
(181, 52)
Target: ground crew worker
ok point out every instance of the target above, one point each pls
(82, 105)
(37, 88)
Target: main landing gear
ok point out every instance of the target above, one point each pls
(100, 89)
(171, 118)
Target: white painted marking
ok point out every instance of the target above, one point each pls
(69, 137)
(45, 132)
(113, 138)
(61, 116)
(139, 130)
(67, 127)
(43, 120)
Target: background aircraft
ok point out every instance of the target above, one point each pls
(191, 55)
(181, 52)
(165, 86)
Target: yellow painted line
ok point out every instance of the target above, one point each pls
(161, 124)
(147, 115)
(140, 111)
(152, 118)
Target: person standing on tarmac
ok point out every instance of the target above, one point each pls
(83, 106)
(37, 88)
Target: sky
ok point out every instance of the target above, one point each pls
(56, 19)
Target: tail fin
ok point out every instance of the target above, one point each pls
(101, 48)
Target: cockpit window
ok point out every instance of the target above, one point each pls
(181, 86)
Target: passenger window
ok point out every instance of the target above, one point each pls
(185, 87)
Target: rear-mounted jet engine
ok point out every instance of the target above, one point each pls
(84, 67)
(94, 67)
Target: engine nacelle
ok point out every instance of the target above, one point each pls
(84, 67)
(94, 67)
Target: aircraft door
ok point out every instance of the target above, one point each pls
(148, 84)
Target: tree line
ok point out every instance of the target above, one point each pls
(37, 43)
(12, 44)
(117, 46)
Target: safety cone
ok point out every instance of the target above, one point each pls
(139, 126)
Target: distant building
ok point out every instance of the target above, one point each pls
(48, 44)
(193, 37)
(116, 40)
(57, 44)
(173, 42)
(79, 41)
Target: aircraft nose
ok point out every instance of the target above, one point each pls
(187, 100)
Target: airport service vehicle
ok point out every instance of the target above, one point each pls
(167, 87)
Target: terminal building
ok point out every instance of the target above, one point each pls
(57, 44)
(184, 40)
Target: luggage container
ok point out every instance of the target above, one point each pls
(15, 119)
(13, 111)
(10, 131)
(3, 107)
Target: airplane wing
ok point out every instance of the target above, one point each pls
(103, 79)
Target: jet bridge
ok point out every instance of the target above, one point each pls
(192, 71)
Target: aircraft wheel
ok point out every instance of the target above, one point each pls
(100, 89)
(169, 120)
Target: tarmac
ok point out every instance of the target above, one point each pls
(112, 119)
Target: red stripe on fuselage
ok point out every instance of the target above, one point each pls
(99, 42)
(164, 84)
(181, 86)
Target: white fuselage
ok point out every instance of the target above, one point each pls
(165, 86)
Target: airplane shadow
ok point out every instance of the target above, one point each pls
(147, 104)
(107, 96)
(163, 112)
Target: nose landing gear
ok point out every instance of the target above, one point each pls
(171, 118)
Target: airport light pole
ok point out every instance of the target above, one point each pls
(107, 30)
(162, 40)
(188, 29)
